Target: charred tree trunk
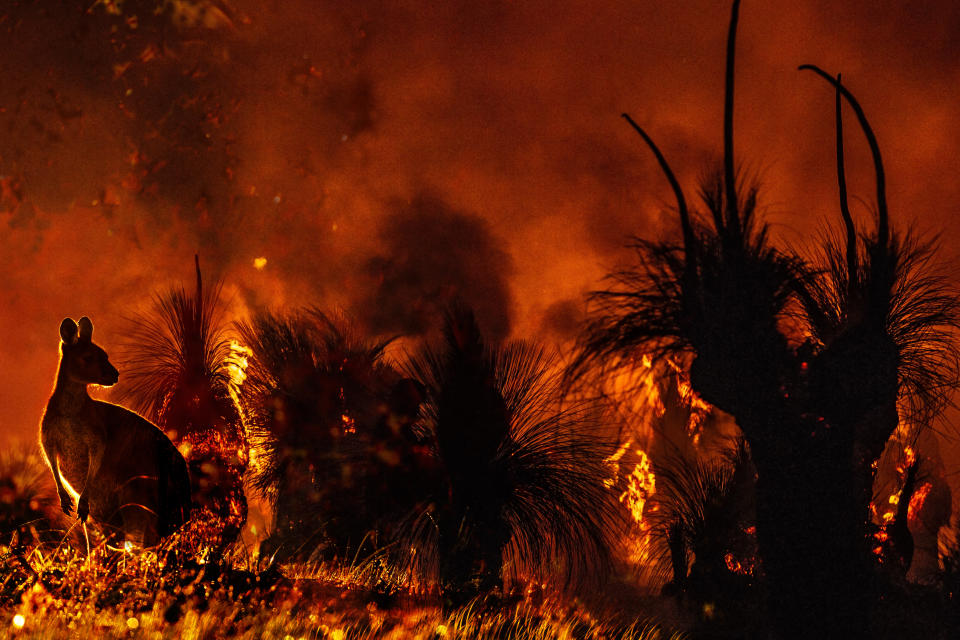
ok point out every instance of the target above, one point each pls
(811, 535)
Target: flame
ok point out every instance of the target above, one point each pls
(699, 408)
(917, 502)
(638, 388)
(641, 485)
(614, 462)
(237, 362)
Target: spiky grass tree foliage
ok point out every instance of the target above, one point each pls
(524, 471)
(705, 514)
(176, 371)
(816, 417)
(331, 427)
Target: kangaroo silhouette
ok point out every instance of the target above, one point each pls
(128, 474)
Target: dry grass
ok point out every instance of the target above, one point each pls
(55, 590)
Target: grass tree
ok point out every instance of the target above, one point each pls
(176, 371)
(816, 414)
(523, 472)
(330, 424)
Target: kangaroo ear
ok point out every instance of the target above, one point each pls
(68, 331)
(86, 328)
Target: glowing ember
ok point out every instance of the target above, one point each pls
(909, 457)
(734, 565)
(259, 263)
(19, 621)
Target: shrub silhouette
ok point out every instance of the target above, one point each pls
(704, 512)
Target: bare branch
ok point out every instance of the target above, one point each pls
(844, 203)
(883, 226)
(688, 238)
(729, 176)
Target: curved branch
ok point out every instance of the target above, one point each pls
(689, 242)
(883, 226)
(729, 177)
(844, 202)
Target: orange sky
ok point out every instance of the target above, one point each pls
(383, 156)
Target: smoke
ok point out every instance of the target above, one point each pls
(434, 256)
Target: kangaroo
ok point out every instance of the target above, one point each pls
(129, 476)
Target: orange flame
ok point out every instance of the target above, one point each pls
(641, 485)
(917, 502)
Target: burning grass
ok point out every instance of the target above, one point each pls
(59, 579)
(58, 590)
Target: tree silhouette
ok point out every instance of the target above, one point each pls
(524, 471)
(817, 414)
(177, 373)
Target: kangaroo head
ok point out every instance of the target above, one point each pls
(83, 361)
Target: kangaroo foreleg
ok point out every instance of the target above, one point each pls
(95, 450)
(66, 500)
(50, 453)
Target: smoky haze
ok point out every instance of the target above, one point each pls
(308, 134)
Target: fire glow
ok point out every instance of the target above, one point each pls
(366, 158)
